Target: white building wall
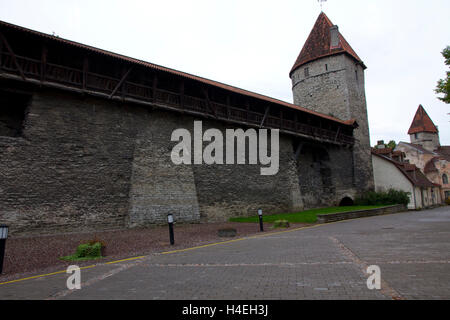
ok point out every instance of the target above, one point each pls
(387, 175)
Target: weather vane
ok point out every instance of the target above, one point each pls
(321, 3)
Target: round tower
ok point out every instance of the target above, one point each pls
(328, 77)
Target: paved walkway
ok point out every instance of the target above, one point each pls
(412, 250)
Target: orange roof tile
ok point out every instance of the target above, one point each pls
(382, 151)
(422, 122)
(318, 44)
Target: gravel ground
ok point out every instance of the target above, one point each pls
(26, 256)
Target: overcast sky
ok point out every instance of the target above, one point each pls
(253, 44)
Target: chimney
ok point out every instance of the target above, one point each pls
(334, 32)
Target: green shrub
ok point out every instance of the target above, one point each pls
(391, 196)
(86, 251)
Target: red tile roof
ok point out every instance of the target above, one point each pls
(417, 147)
(318, 44)
(430, 167)
(387, 151)
(351, 122)
(422, 122)
(444, 152)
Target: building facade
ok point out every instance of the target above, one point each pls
(425, 151)
(391, 171)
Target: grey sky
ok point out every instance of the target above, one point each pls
(253, 44)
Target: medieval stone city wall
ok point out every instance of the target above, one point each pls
(84, 164)
(71, 168)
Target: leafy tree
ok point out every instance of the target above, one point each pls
(392, 144)
(443, 85)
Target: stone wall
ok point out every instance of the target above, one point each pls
(239, 190)
(85, 164)
(159, 187)
(328, 168)
(71, 168)
(428, 140)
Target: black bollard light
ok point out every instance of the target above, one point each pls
(170, 221)
(3, 237)
(261, 227)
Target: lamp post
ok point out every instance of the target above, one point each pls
(170, 221)
(3, 237)
(260, 216)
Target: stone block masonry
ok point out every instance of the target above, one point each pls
(334, 85)
(71, 168)
(86, 164)
(159, 187)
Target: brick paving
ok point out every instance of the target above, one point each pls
(325, 262)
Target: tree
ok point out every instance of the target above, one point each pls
(443, 85)
(392, 144)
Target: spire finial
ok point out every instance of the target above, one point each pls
(321, 4)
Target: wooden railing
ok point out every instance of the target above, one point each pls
(29, 68)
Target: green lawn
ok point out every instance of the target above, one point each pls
(307, 216)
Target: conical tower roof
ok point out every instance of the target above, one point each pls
(422, 122)
(318, 44)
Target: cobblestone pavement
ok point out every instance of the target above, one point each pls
(412, 250)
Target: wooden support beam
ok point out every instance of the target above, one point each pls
(281, 118)
(228, 106)
(154, 86)
(265, 116)
(298, 150)
(43, 62)
(13, 56)
(85, 71)
(337, 134)
(124, 77)
(182, 94)
(1, 52)
(208, 102)
(247, 107)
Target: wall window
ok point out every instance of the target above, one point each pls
(306, 72)
(444, 179)
(12, 113)
(326, 67)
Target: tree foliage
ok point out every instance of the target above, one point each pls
(443, 85)
(392, 144)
